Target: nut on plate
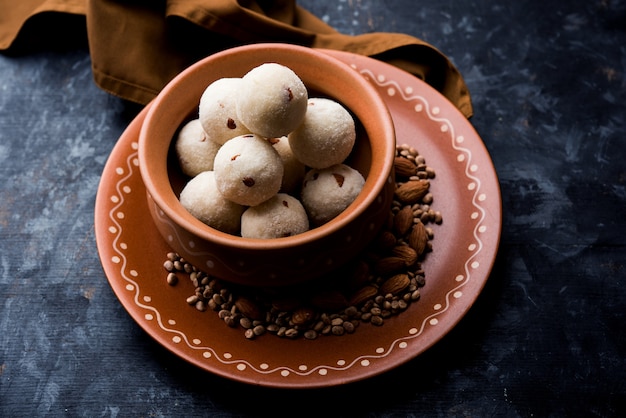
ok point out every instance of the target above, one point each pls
(418, 238)
(386, 240)
(248, 308)
(302, 316)
(406, 253)
(404, 167)
(389, 265)
(395, 284)
(363, 294)
(412, 191)
(403, 220)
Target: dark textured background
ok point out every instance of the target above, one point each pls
(546, 337)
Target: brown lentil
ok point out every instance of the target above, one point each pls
(273, 328)
(293, 316)
(377, 320)
(172, 279)
(348, 327)
(212, 305)
(172, 256)
(338, 330)
(336, 322)
(169, 265)
(319, 326)
(291, 333)
(201, 306)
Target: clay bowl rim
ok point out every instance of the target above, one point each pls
(380, 168)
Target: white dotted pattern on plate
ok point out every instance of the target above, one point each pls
(464, 156)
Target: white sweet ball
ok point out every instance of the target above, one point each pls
(280, 216)
(293, 169)
(248, 170)
(326, 136)
(272, 100)
(203, 200)
(329, 191)
(195, 152)
(217, 111)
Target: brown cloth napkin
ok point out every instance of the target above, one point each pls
(137, 46)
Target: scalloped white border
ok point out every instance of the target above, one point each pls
(390, 88)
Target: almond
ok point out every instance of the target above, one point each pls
(408, 254)
(418, 238)
(302, 316)
(412, 191)
(395, 284)
(403, 220)
(386, 240)
(363, 294)
(404, 167)
(248, 308)
(389, 265)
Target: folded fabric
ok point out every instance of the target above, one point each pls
(137, 46)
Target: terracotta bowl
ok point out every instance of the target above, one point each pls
(280, 261)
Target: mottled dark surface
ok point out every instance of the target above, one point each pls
(547, 336)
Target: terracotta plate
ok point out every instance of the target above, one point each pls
(466, 191)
